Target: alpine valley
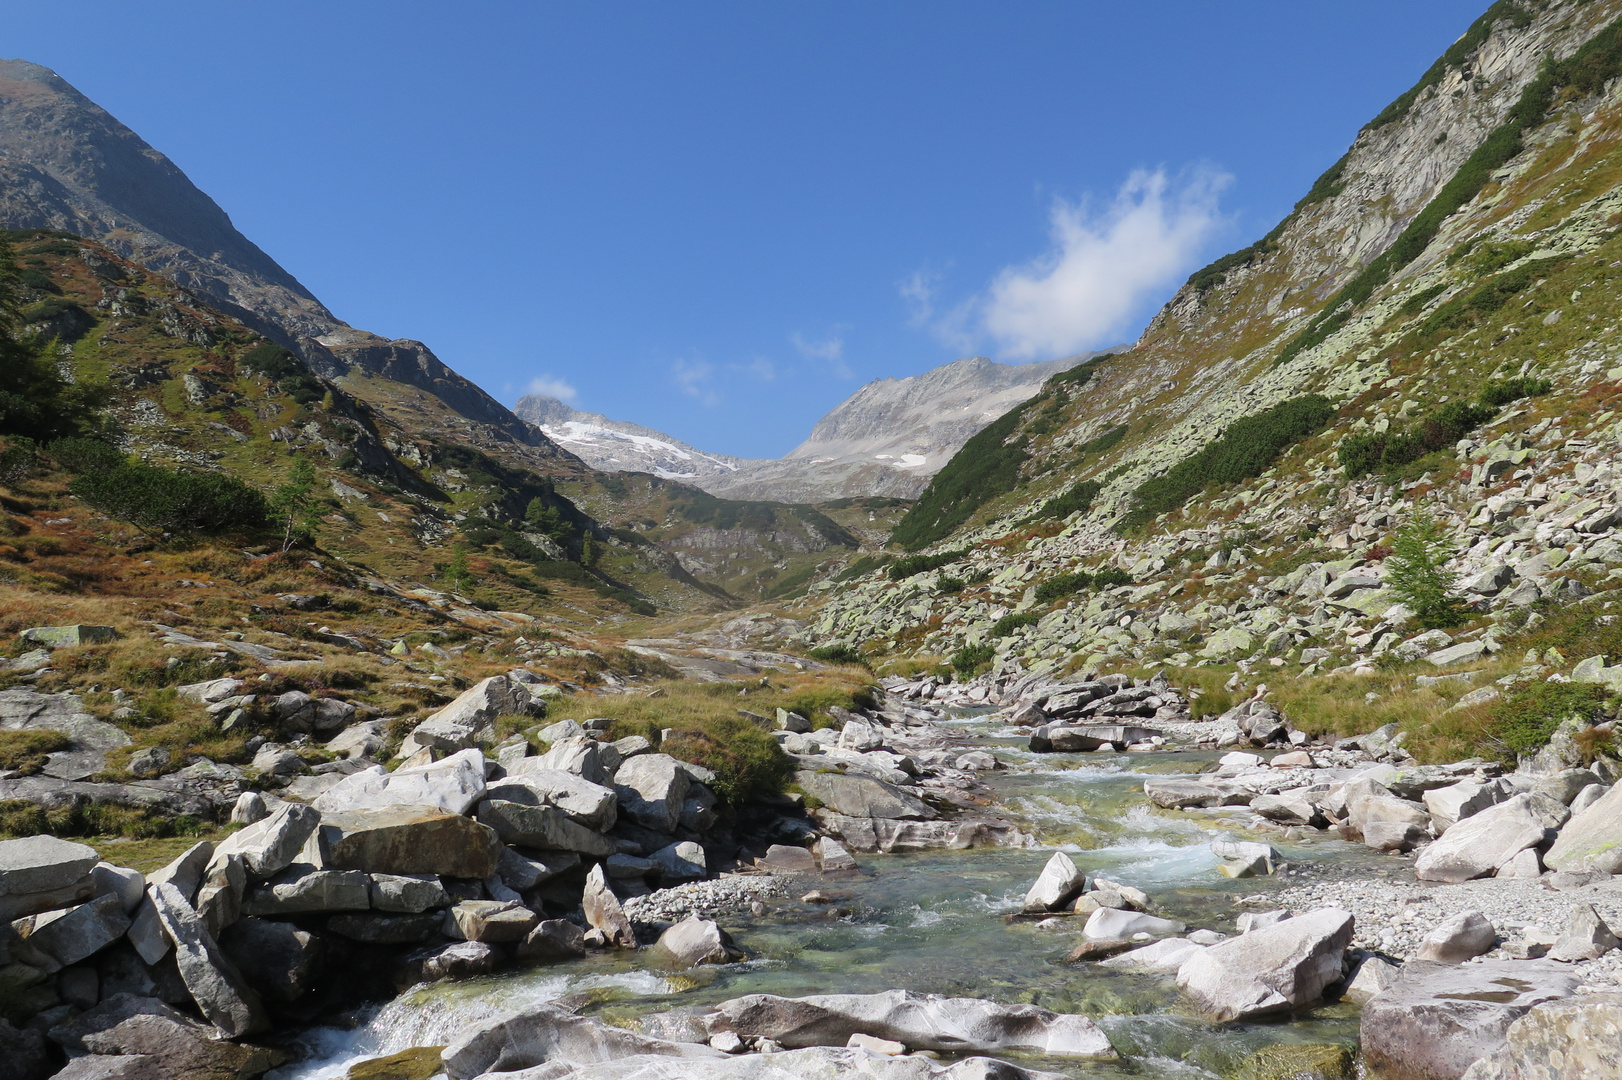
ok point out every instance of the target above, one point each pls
(1237, 704)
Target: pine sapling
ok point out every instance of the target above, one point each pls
(1416, 571)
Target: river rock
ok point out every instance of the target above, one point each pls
(787, 859)
(1394, 835)
(695, 941)
(1181, 793)
(408, 840)
(810, 1063)
(1586, 936)
(862, 796)
(1114, 924)
(1269, 970)
(278, 959)
(1165, 955)
(603, 911)
(680, 862)
(1371, 976)
(651, 789)
(542, 827)
(832, 856)
(1449, 805)
(1288, 808)
(919, 1021)
(173, 1045)
(1463, 937)
(39, 873)
(1479, 845)
(521, 872)
(1435, 1020)
(457, 961)
(454, 785)
(1574, 1039)
(552, 941)
(592, 805)
(547, 1034)
(377, 928)
(1593, 839)
(1056, 886)
(492, 921)
(211, 979)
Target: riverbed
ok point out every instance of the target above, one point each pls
(941, 922)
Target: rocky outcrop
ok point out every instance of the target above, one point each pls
(1435, 1020)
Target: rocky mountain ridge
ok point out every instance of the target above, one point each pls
(886, 439)
(1287, 569)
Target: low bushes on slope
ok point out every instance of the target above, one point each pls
(986, 466)
(1079, 497)
(1066, 584)
(911, 565)
(1245, 449)
(160, 500)
(1384, 451)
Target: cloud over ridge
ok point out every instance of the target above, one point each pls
(1089, 287)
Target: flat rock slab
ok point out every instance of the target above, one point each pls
(918, 1021)
(408, 840)
(1269, 970)
(454, 785)
(58, 637)
(1435, 1020)
(24, 709)
(1593, 839)
(862, 796)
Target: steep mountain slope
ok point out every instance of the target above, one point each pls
(66, 164)
(618, 445)
(1463, 253)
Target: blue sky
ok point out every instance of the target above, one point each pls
(719, 219)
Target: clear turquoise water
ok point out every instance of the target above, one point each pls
(937, 923)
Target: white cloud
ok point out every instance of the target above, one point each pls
(548, 386)
(829, 350)
(1087, 290)
(693, 376)
(918, 293)
(760, 368)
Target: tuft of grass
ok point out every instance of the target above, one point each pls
(24, 752)
(20, 818)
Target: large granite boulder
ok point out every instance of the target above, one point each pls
(25, 709)
(695, 941)
(472, 716)
(302, 889)
(270, 846)
(454, 785)
(1183, 793)
(408, 840)
(1479, 845)
(1435, 1020)
(1465, 936)
(173, 1045)
(1450, 805)
(281, 961)
(917, 1021)
(603, 911)
(53, 940)
(1269, 970)
(1574, 1039)
(212, 980)
(544, 1034)
(862, 796)
(651, 790)
(1593, 839)
(575, 754)
(542, 827)
(592, 805)
(38, 873)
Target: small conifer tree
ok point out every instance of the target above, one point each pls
(1416, 571)
(293, 505)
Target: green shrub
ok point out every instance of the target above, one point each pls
(865, 565)
(983, 468)
(745, 757)
(82, 455)
(1523, 720)
(1500, 392)
(1104, 443)
(839, 653)
(1109, 578)
(970, 659)
(1248, 447)
(945, 585)
(1062, 585)
(271, 360)
(1014, 621)
(912, 565)
(1416, 573)
(159, 500)
(1079, 498)
(19, 460)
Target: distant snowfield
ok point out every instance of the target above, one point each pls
(642, 452)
